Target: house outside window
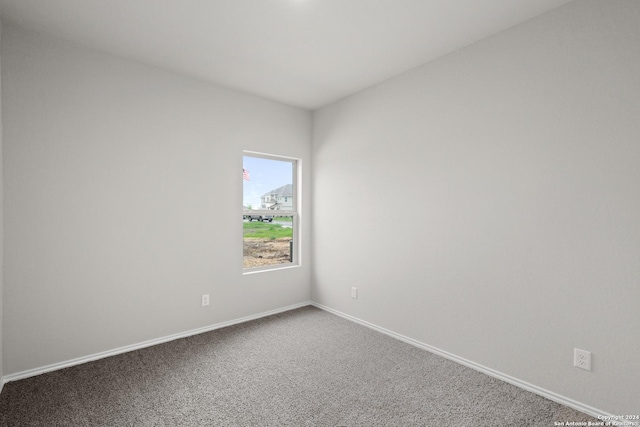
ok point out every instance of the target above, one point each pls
(280, 198)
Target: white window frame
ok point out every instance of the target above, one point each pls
(294, 213)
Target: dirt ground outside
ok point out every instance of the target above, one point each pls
(260, 252)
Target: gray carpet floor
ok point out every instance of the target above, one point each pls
(305, 367)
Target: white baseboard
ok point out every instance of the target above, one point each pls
(488, 371)
(144, 344)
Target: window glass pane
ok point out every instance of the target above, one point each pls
(269, 211)
(267, 184)
(267, 240)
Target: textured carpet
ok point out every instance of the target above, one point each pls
(304, 367)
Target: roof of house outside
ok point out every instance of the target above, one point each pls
(285, 190)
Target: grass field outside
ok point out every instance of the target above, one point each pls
(266, 230)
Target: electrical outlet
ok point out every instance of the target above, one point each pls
(354, 293)
(582, 359)
(205, 300)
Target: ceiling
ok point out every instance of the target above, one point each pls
(306, 53)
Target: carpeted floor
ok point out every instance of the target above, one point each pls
(304, 367)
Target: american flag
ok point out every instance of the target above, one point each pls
(245, 174)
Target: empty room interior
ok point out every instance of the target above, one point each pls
(464, 187)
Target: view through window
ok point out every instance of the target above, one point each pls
(269, 218)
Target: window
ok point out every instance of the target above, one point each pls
(270, 220)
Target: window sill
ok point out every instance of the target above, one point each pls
(267, 269)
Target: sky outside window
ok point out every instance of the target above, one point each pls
(264, 175)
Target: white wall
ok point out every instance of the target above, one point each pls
(1, 232)
(123, 201)
(517, 161)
